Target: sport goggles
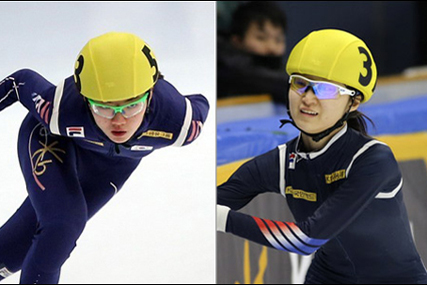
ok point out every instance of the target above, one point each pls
(128, 110)
(322, 89)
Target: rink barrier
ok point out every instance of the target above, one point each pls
(244, 139)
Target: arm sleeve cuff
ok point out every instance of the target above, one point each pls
(221, 217)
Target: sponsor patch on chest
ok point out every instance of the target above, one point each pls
(157, 134)
(301, 194)
(337, 175)
(141, 148)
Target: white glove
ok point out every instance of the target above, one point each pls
(221, 217)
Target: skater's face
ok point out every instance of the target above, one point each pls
(316, 113)
(120, 126)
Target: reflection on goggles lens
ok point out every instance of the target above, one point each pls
(322, 89)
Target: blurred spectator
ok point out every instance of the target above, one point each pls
(251, 56)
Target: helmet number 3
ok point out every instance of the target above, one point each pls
(365, 80)
(153, 63)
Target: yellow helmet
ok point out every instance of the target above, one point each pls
(335, 55)
(114, 67)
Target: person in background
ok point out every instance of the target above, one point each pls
(251, 55)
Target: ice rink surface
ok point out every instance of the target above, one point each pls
(160, 228)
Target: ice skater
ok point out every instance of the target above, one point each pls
(343, 187)
(80, 142)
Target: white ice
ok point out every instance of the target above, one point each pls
(160, 228)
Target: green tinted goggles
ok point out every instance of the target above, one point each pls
(128, 110)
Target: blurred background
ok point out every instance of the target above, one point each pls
(157, 226)
(395, 32)
(252, 94)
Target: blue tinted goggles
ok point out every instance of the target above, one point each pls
(322, 89)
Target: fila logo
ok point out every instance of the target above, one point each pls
(78, 132)
(141, 148)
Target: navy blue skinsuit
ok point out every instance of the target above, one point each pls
(72, 169)
(348, 208)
